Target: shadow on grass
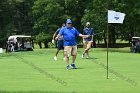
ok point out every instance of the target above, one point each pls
(6, 55)
(25, 53)
(80, 68)
(121, 50)
(92, 58)
(33, 92)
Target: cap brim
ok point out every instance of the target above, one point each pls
(69, 23)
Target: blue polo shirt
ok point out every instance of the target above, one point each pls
(88, 31)
(69, 35)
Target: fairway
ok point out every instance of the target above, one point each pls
(37, 72)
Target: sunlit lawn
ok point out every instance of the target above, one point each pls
(37, 72)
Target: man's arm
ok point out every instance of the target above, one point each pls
(60, 33)
(79, 34)
(57, 36)
(92, 38)
(83, 39)
(92, 35)
(83, 36)
(54, 35)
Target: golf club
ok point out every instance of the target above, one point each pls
(96, 34)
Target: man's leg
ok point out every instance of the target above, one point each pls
(67, 50)
(73, 59)
(87, 53)
(85, 46)
(62, 47)
(74, 53)
(55, 57)
(64, 58)
(57, 51)
(58, 48)
(88, 46)
(67, 59)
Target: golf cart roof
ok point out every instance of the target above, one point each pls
(18, 36)
(136, 37)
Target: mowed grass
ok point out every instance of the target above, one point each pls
(37, 72)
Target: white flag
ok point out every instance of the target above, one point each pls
(115, 17)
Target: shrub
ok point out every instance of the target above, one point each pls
(51, 45)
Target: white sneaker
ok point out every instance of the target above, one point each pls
(82, 55)
(64, 58)
(88, 56)
(55, 58)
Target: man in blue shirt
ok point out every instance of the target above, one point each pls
(70, 46)
(59, 41)
(87, 42)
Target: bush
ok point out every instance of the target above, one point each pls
(51, 45)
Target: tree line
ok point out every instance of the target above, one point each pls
(41, 18)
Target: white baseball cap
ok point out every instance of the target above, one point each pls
(88, 23)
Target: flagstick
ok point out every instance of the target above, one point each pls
(113, 17)
(107, 51)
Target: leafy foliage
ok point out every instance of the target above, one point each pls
(34, 17)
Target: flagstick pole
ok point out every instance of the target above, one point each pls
(113, 19)
(107, 50)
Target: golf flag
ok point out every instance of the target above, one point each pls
(115, 17)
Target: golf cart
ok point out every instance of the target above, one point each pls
(135, 44)
(19, 43)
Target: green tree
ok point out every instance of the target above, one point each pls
(47, 15)
(96, 13)
(14, 15)
(34, 17)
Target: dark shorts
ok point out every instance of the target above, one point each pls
(60, 45)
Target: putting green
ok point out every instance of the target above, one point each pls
(37, 72)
